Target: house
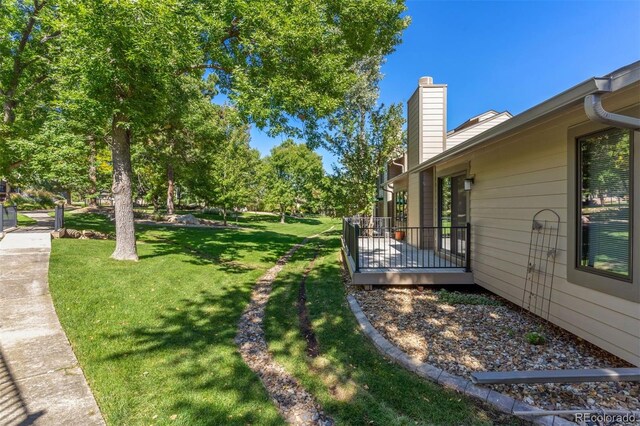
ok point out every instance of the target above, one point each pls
(539, 208)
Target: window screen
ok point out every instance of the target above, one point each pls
(605, 202)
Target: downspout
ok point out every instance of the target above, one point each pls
(596, 112)
(398, 164)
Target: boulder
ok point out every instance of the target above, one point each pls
(185, 219)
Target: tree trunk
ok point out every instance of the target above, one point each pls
(170, 189)
(9, 115)
(282, 214)
(123, 203)
(156, 204)
(224, 216)
(8, 189)
(93, 172)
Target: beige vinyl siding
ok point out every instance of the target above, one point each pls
(469, 132)
(413, 130)
(514, 178)
(434, 123)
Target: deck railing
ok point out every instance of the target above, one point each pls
(8, 217)
(404, 247)
(375, 224)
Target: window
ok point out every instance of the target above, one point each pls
(605, 205)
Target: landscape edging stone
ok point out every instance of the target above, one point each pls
(499, 401)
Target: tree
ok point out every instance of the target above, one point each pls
(293, 175)
(279, 62)
(28, 46)
(232, 170)
(126, 56)
(364, 136)
(221, 167)
(62, 158)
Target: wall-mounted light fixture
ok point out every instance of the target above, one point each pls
(468, 183)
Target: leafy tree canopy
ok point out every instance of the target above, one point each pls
(293, 177)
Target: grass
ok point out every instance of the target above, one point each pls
(155, 337)
(350, 379)
(25, 220)
(258, 220)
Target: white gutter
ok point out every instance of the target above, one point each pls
(596, 112)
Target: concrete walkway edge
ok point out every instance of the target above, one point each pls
(41, 379)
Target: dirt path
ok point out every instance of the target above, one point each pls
(295, 403)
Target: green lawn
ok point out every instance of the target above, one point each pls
(349, 378)
(25, 220)
(155, 337)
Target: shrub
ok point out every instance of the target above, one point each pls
(212, 210)
(458, 298)
(33, 199)
(535, 338)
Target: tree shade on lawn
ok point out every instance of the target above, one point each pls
(155, 337)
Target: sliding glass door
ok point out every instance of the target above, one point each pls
(452, 214)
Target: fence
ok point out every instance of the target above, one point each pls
(386, 247)
(8, 217)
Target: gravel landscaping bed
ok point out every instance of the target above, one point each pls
(463, 338)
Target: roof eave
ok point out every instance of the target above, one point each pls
(572, 96)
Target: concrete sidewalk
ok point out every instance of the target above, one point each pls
(41, 382)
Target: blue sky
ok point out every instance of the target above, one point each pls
(505, 55)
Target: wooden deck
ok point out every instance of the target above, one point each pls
(387, 253)
(385, 261)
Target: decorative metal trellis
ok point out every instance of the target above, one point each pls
(543, 250)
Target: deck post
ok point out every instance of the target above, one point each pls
(356, 247)
(468, 248)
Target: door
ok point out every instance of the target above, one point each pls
(452, 214)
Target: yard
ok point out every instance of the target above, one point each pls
(25, 220)
(156, 338)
